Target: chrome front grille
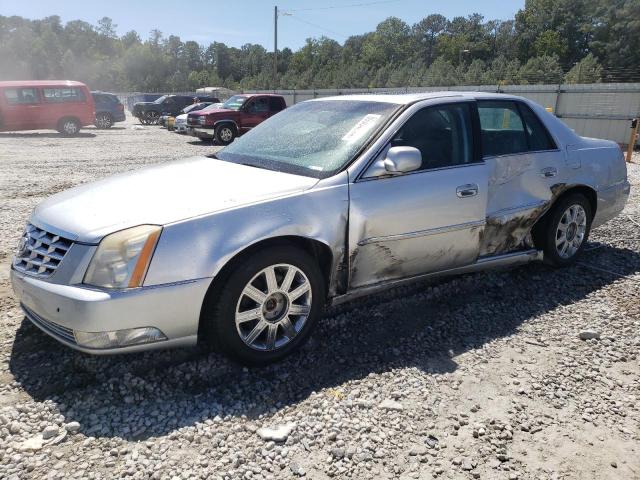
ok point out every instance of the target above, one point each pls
(40, 252)
(51, 328)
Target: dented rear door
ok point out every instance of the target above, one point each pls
(526, 170)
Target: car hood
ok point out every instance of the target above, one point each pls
(213, 111)
(159, 195)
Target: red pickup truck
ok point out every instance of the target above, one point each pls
(236, 116)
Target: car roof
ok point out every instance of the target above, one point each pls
(41, 83)
(406, 98)
(248, 95)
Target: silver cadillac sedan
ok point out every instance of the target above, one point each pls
(326, 201)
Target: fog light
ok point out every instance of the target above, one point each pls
(119, 338)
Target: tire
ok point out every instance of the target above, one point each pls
(225, 134)
(152, 117)
(69, 127)
(104, 121)
(565, 231)
(261, 328)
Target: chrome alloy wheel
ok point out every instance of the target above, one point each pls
(571, 231)
(273, 307)
(226, 134)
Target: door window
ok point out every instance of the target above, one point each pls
(63, 95)
(537, 135)
(509, 128)
(21, 96)
(259, 105)
(442, 133)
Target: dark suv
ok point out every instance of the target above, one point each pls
(236, 116)
(149, 112)
(108, 109)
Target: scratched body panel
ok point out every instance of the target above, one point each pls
(415, 223)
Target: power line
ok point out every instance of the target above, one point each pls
(332, 7)
(317, 26)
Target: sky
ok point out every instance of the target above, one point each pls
(251, 21)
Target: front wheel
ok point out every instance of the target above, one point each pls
(152, 117)
(224, 134)
(267, 306)
(567, 230)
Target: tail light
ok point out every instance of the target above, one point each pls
(121, 107)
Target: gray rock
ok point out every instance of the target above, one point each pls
(297, 469)
(72, 427)
(467, 464)
(15, 427)
(589, 335)
(389, 404)
(49, 432)
(277, 434)
(418, 450)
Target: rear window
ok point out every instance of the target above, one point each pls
(63, 95)
(102, 98)
(21, 96)
(277, 104)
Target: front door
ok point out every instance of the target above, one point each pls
(525, 170)
(427, 220)
(256, 111)
(23, 110)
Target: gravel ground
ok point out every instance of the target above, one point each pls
(412, 384)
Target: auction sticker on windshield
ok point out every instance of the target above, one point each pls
(361, 128)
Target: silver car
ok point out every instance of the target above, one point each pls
(328, 200)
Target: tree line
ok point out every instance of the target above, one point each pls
(548, 41)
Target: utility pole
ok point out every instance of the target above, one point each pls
(275, 47)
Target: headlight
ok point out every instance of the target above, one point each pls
(122, 258)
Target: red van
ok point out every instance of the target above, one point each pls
(62, 105)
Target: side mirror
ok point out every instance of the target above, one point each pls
(402, 160)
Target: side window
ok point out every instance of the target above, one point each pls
(276, 104)
(537, 135)
(21, 96)
(259, 105)
(443, 134)
(502, 129)
(63, 95)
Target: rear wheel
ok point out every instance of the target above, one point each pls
(566, 230)
(104, 120)
(69, 126)
(225, 134)
(267, 307)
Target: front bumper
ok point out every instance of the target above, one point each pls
(201, 132)
(59, 310)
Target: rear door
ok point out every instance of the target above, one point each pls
(427, 220)
(23, 108)
(525, 168)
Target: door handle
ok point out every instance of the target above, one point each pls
(549, 172)
(469, 190)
